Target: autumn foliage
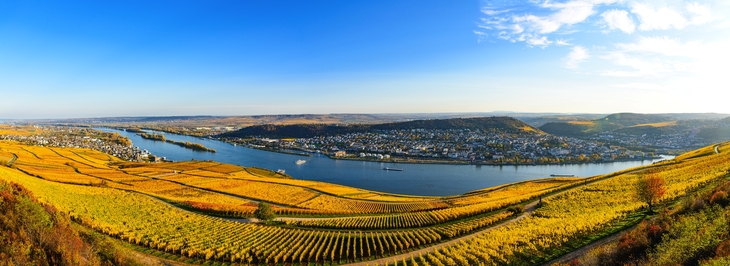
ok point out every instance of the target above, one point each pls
(650, 188)
(32, 233)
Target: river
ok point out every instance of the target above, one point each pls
(416, 179)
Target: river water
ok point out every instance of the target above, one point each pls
(416, 179)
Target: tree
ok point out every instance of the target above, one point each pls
(650, 187)
(264, 212)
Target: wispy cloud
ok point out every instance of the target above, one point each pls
(664, 41)
(576, 56)
(562, 42)
(533, 22)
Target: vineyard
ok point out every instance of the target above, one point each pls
(176, 208)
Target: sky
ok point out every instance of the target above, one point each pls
(74, 59)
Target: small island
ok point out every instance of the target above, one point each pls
(186, 144)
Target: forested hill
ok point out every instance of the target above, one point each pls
(490, 124)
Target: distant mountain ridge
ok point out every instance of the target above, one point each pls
(490, 124)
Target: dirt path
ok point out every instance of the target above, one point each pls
(566, 258)
(529, 208)
(10, 163)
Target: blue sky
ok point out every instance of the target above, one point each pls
(149, 58)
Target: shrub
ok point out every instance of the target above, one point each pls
(264, 212)
(719, 197)
(723, 250)
(516, 210)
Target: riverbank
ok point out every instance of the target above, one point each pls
(411, 160)
(263, 148)
(461, 162)
(187, 145)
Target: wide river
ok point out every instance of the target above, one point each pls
(416, 179)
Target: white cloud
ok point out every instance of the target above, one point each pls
(671, 51)
(573, 12)
(619, 19)
(541, 42)
(663, 18)
(548, 17)
(539, 24)
(493, 12)
(482, 35)
(576, 56)
(517, 29)
(561, 42)
(700, 14)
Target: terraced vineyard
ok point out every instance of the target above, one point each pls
(172, 208)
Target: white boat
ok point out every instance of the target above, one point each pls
(300, 161)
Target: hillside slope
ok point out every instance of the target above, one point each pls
(32, 233)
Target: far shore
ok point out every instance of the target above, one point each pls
(461, 162)
(412, 160)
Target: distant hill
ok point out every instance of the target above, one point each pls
(639, 124)
(608, 123)
(717, 134)
(505, 124)
(492, 124)
(538, 121)
(293, 131)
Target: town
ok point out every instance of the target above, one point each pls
(454, 146)
(662, 143)
(71, 137)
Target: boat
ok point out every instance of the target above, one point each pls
(562, 175)
(300, 162)
(281, 171)
(392, 169)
